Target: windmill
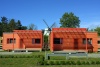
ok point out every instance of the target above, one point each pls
(46, 33)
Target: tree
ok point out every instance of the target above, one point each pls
(32, 27)
(12, 25)
(23, 27)
(97, 29)
(4, 24)
(0, 29)
(69, 20)
(18, 25)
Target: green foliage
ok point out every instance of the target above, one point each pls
(69, 20)
(12, 25)
(45, 42)
(9, 26)
(45, 62)
(57, 63)
(78, 63)
(92, 62)
(62, 62)
(87, 63)
(51, 62)
(97, 62)
(97, 29)
(68, 63)
(45, 38)
(73, 63)
(83, 62)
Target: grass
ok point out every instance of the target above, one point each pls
(32, 62)
(18, 61)
(50, 66)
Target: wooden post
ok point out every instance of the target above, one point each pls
(13, 40)
(86, 41)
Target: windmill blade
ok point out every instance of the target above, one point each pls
(46, 23)
(53, 25)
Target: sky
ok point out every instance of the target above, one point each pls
(34, 11)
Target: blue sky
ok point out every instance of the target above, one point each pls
(34, 11)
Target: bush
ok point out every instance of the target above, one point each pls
(45, 63)
(40, 63)
(57, 63)
(10, 56)
(42, 58)
(78, 63)
(51, 62)
(92, 62)
(72, 62)
(0, 56)
(97, 62)
(87, 63)
(83, 63)
(62, 62)
(68, 63)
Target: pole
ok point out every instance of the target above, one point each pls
(86, 41)
(13, 41)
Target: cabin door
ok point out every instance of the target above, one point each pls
(21, 43)
(75, 44)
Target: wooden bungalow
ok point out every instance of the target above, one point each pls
(23, 40)
(63, 39)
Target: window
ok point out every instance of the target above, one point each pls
(36, 41)
(11, 40)
(84, 41)
(89, 41)
(1, 41)
(98, 41)
(57, 41)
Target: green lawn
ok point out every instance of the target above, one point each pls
(32, 59)
(50, 66)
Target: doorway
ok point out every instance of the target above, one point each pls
(75, 44)
(21, 43)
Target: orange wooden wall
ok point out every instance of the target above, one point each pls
(68, 35)
(23, 39)
(99, 44)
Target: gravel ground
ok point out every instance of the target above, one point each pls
(94, 55)
(9, 53)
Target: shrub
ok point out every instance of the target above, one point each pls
(0, 56)
(42, 58)
(11, 56)
(97, 62)
(37, 56)
(45, 63)
(87, 63)
(40, 63)
(62, 62)
(78, 63)
(83, 63)
(72, 62)
(51, 62)
(57, 63)
(92, 62)
(68, 63)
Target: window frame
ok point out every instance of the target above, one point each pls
(11, 40)
(60, 41)
(89, 41)
(36, 42)
(98, 42)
